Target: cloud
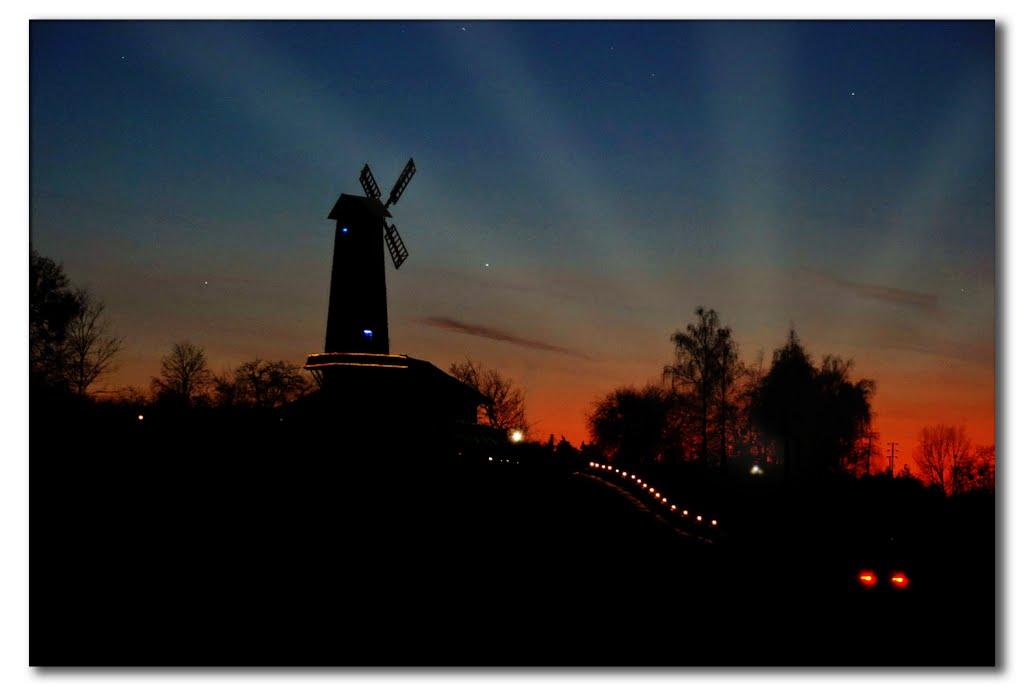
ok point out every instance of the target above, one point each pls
(497, 335)
(887, 294)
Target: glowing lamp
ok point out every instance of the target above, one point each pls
(516, 436)
(714, 522)
(867, 578)
(673, 508)
(664, 500)
(141, 417)
(699, 518)
(344, 229)
(651, 489)
(899, 580)
(368, 333)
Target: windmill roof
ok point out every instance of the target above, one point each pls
(348, 205)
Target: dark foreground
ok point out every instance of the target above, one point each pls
(180, 546)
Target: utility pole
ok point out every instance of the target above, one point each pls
(892, 457)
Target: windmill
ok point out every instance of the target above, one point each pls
(357, 317)
(364, 387)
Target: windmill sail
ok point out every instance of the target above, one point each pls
(396, 247)
(369, 183)
(403, 181)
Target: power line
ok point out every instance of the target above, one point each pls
(892, 456)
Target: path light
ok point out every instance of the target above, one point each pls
(673, 508)
(664, 500)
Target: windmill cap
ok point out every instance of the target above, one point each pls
(350, 205)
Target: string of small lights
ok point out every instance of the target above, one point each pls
(652, 492)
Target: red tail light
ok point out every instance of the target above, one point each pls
(899, 580)
(867, 578)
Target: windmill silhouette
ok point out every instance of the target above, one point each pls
(357, 316)
(363, 383)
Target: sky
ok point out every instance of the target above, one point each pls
(582, 187)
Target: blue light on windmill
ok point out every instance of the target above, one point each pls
(368, 333)
(344, 229)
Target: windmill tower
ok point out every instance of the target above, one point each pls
(357, 316)
(363, 383)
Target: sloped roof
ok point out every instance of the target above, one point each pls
(349, 205)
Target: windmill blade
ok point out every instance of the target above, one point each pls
(403, 181)
(369, 183)
(395, 245)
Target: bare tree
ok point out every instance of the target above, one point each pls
(944, 456)
(260, 383)
(507, 409)
(184, 373)
(728, 369)
(705, 367)
(89, 347)
(983, 469)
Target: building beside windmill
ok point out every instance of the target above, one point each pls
(363, 386)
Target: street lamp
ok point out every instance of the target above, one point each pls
(516, 436)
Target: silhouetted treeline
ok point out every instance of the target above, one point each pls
(808, 420)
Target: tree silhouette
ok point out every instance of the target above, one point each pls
(507, 407)
(69, 340)
(52, 306)
(983, 469)
(635, 426)
(261, 383)
(782, 404)
(706, 365)
(89, 347)
(727, 369)
(943, 455)
(815, 417)
(184, 374)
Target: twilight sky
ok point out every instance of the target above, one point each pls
(582, 187)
